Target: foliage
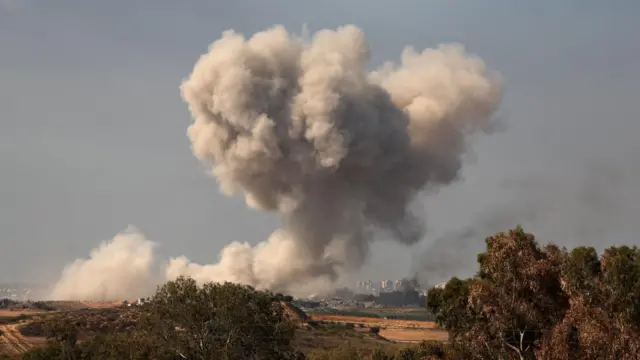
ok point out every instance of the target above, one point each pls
(43, 305)
(285, 298)
(183, 320)
(532, 302)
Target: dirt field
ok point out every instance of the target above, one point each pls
(383, 323)
(414, 335)
(12, 343)
(18, 312)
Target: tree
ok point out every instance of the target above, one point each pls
(186, 321)
(603, 321)
(532, 302)
(504, 310)
(219, 321)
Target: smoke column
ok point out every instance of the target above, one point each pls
(301, 128)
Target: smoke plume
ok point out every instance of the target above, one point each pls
(304, 130)
(116, 270)
(301, 128)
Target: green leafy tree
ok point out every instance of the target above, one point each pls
(219, 321)
(186, 321)
(449, 304)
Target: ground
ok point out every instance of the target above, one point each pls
(13, 343)
(21, 328)
(414, 335)
(394, 330)
(330, 336)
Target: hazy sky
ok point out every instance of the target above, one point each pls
(93, 129)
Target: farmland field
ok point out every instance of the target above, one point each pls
(415, 314)
(414, 335)
(6, 313)
(392, 329)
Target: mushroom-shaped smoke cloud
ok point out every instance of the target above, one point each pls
(301, 128)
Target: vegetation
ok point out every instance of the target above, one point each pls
(532, 302)
(7, 303)
(183, 321)
(526, 302)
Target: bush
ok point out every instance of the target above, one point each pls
(42, 305)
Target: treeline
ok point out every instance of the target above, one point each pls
(6, 303)
(526, 302)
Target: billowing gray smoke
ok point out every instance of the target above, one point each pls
(303, 129)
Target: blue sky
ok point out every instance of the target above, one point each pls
(93, 130)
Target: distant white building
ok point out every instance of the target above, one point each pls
(386, 285)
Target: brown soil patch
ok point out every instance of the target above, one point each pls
(13, 343)
(383, 323)
(414, 335)
(294, 313)
(18, 312)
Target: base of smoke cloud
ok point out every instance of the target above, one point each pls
(121, 268)
(259, 265)
(128, 267)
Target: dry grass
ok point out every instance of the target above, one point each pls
(78, 305)
(18, 312)
(324, 337)
(89, 321)
(382, 323)
(414, 335)
(101, 304)
(13, 343)
(403, 331)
